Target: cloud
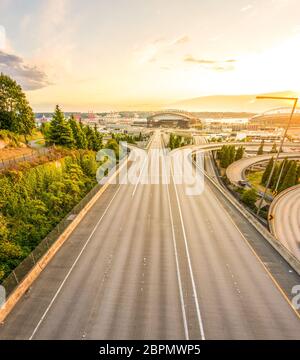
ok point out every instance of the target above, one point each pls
(224, 65)
(28, 76)
(158, 48)
(198, 61)
(247, 8)
(181, 40)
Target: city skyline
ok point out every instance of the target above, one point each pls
(127, 55)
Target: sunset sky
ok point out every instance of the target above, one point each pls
(127, 54)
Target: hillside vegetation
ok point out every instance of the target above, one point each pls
(34, 200)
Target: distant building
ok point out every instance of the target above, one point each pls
(171, 119)
(39, 120)
(277, 117)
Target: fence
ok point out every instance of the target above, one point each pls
(34, 154)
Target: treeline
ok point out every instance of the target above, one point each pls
(176, 141)
(34, 200)
(273, 150)
(70, 133)
(286, 174)
(130, 139)
(228, 154)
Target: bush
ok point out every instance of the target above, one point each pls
(33, 200)
(249, 197)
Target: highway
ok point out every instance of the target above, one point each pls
(285, 224)
(151, 262)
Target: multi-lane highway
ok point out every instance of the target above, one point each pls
(151, 262)
(285, 211)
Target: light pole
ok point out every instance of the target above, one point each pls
(295, 99)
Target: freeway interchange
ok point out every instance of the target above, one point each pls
(149, 261)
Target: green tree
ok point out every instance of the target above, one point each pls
(286, 165)
(98, 139)
(45, 130)
(267, 172)
(260, 150)
(113, 145)
(231, 154)
(78, 134)
(291, 176)
(274, 148)
(94, 138)
(274, 176)
(15, 112)
(239, 153)
(298, 173)
(278, 172)
(224, 157)
(60, 132)
(249, 197)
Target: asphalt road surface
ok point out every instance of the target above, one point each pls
(286, 219)
(151, 262)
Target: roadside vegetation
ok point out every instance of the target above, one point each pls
(286, 174)
(130, 139)
(34, 199)
(176, 141)
(228, 154)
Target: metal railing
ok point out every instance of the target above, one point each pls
(33, 155)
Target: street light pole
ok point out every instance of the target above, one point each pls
(281, 143)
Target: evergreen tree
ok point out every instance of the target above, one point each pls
(239, 153)
(98, 139)
(274, 149)
(60, 132)
(274, 176)
(78, 134)
(287, 164)
(267, 172)
(278, 173)
(231, 154)
(90, 136)
(260, 150)
(225, 157)
(15, 112)
(290, 178)
(298, 173)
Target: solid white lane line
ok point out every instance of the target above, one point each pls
(200, 322)
(72, 267)
(186, 331)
